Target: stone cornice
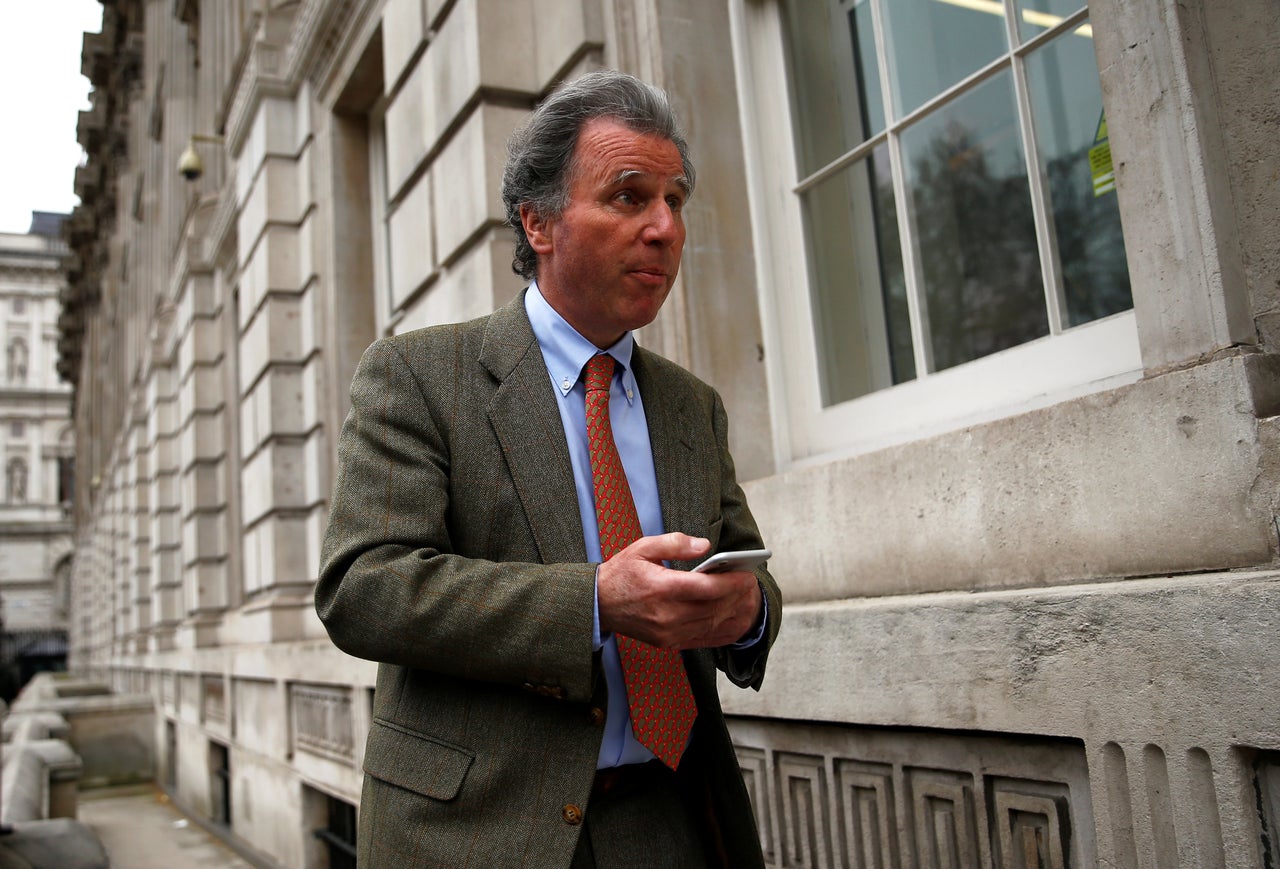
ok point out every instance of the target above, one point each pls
(112, 60)
(260, 77)
(320, 41)
(296, 42)
(32, 394)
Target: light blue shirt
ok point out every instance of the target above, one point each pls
(566, 353)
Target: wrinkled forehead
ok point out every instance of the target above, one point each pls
(610, 151)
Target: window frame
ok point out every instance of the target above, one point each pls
(1067, 363)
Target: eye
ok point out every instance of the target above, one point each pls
(625, 197)
(676, 203)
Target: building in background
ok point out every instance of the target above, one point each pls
(991, 290)
(38, 451)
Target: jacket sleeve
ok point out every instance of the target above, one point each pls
(392, 587)
(744, 667)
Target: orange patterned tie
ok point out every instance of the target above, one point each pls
(662, 705)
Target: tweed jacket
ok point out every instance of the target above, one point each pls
(454, 557)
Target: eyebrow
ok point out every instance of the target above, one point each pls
(627, 174)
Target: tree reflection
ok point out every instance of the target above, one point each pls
(976, 232)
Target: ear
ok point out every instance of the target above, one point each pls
(538, 229)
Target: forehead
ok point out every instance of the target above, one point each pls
(608, 150)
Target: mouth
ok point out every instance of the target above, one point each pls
(651, 275)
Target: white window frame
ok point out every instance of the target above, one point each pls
(1065, 364)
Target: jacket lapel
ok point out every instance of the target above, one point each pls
(666, 409)
(527, 423)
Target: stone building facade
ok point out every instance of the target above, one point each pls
(991, 289)
(37, 448)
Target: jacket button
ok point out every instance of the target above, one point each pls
(572, 814)
(597, 716)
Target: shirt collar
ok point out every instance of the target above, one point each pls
(564, 349)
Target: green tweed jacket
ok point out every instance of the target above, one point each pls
(454, 557)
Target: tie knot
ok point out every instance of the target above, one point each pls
(599, 372)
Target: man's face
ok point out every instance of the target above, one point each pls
(608, 261)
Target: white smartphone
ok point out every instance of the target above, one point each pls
(743, 559)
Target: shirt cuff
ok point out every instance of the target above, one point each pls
(597, 642)
(764, 621)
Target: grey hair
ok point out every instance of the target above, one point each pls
(541, 155)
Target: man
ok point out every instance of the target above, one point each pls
(509, 494)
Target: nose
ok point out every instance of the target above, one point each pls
(663, 224)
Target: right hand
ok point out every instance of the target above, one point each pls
(674, 609)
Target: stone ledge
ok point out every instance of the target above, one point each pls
(40, 781)
(61, 842)
(1158, 477)
(1182, 661)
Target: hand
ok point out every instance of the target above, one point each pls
(674, 609)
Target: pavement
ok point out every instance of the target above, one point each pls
(141, 829)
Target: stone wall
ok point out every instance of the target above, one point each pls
(1038, 639)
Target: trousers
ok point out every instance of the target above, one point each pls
(640, 822)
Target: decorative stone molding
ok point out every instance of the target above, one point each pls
(320, 721)
(213, 702)
(828, 796)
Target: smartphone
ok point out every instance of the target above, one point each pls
(743, 559)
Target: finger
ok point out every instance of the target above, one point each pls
(673, 546)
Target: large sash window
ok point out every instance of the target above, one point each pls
(951, 201)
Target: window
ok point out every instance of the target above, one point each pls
(339, 833)
(16, 361)
(219, 784)
(15, 481)
(17, 429)
(170, 756)
(954, 207)
(19, 305)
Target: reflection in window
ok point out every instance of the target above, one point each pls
(860, 317)
(950, 212)
(1075, 153)
(938, 44)
(971, 211)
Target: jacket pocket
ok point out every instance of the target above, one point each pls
(415, 761)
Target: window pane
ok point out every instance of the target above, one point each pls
(859, 295)
(971, 214)
(1066, 103)
(838, 101)
(937, 43)
(1037, 16)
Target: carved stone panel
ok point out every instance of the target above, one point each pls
(321, 719)
(1031, 822)
(867, 814)
(866, 798)
(214, 698)
(805, 810)
(943, 818)
(756, 778)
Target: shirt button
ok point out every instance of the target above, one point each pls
(597, 716)
(572, 814)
